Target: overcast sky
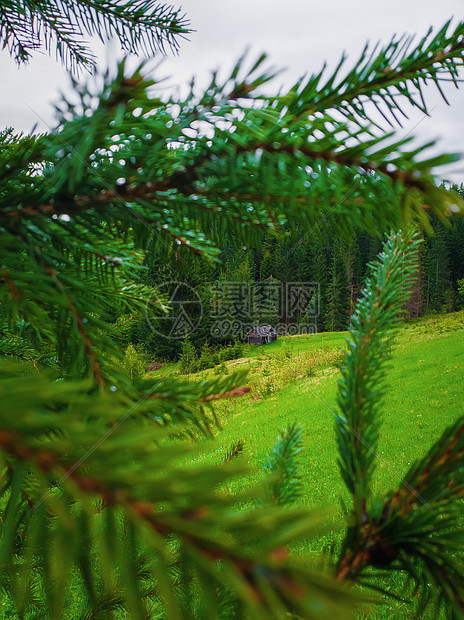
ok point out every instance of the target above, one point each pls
(297, 34)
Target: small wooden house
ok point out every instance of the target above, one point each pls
(153, 366)
(262, 335)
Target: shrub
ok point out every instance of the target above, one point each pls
(206, 358)
(135, 361)
(239, 348)
(221, 369)
(188, 361)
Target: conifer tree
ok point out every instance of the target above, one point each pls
(456, 248)
(106, 504)
(338, 290)
(319, 274)
(267, 263)
(438, 273)
(414, 304)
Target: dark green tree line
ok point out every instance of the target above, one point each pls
(339, 266)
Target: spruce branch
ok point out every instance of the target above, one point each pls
(77, 207)
(417, 527)
(136, 476)
(283, 463)
(147, 26)
(109, 175)
(234, 450)
(388, 77)
(437, 477)
(361, 387)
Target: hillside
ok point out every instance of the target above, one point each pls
(295, 379)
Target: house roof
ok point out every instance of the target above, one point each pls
(262, 330)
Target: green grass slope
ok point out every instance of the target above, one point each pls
(295, 379)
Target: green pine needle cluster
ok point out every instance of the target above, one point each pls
(105, 503)
(80, 469)
(416, 528)
(284, 465)
(362, 386)
(234, 451)
(146, 26)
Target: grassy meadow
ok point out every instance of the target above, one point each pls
(295, 379)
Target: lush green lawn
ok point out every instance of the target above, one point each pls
(426, 393)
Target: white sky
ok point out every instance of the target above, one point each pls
(296, 34)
